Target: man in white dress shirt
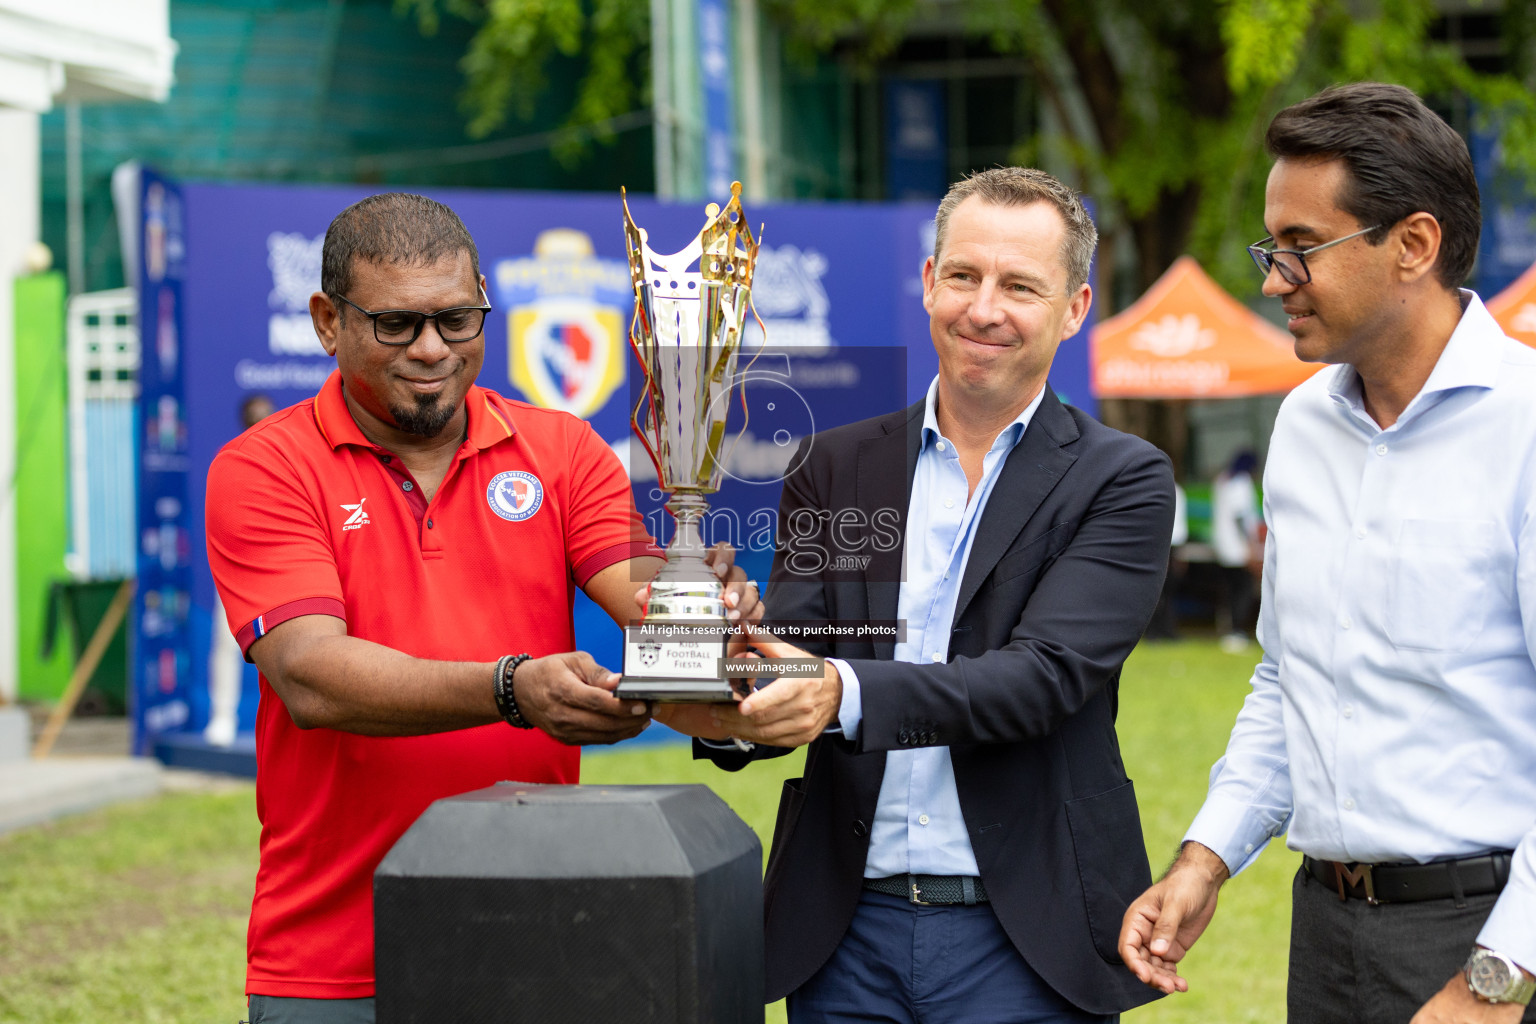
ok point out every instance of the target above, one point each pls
(1392, 723)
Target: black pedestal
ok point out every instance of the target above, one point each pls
(572, 903)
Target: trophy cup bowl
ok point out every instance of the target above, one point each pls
(690, 307)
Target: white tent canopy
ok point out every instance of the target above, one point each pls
(86, 50)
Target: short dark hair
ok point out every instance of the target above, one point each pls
(392, 227)
(1402, 159)
(1021, 186)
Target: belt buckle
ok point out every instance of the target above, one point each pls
(916, 892)
(1360, 874)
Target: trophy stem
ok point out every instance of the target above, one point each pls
(686, 588)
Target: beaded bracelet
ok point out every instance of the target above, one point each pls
(506, 701)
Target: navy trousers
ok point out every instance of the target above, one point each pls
(901, 963)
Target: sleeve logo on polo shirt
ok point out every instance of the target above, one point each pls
(514, 495)
(358, 518)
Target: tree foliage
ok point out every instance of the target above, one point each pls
(1158, 106)
(506, 65)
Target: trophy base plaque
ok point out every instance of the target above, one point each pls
(677, 662)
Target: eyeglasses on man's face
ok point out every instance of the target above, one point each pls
(1292, 263)
(401, 327)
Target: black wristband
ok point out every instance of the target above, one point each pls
(506, 700)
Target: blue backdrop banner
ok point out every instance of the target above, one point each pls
(838, 287)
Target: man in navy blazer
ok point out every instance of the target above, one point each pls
(965, 840)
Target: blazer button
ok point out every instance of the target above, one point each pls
(903, 737)
(860, 829)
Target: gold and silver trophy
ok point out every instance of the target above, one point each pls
(690, 308)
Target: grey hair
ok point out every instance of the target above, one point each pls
(1021, 186)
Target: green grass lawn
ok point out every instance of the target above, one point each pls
(137, 913)
(1177, 704)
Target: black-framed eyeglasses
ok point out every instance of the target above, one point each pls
(1292, 263)
(401, 327)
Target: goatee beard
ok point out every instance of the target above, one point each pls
(426, 420)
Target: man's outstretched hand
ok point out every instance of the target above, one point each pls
(1164, 922)
(792, 710)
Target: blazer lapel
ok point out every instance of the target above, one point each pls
(1033, 468)
(886, 466)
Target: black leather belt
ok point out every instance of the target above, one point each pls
(1410, 883)
(932, 890)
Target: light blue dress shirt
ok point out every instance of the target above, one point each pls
(1393, 716)
(918, 828)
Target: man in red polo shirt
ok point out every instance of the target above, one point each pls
(387, 552)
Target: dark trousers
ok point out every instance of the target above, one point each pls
(1352, 963)
(1237, 589)
(288, 1010)
(904, 964)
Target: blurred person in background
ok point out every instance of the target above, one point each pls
(1235, 524)
(1392, 725)
(1165, 620)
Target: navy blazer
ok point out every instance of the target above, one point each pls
(1062, 578)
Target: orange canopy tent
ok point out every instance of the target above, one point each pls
(1515, 307)
(1187, 338)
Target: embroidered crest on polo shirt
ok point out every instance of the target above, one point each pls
(358, 517)
(514, 495)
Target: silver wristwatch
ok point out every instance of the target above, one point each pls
(1495, 978)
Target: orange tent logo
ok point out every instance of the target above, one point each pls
(1515, 307)
(1187, 338)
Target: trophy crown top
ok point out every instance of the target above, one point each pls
(729, 248)
(724, 249)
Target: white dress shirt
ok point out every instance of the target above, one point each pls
(1393, 716)
(918, 828)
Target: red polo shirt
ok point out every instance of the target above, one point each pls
(306, 516)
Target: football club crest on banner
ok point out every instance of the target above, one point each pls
(565, 328)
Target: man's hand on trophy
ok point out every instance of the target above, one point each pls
(789, 712)
(743, 597)
(570, 697)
